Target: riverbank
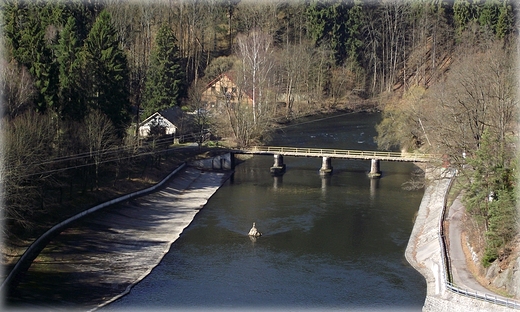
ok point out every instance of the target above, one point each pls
(424, 253)
(138, 176)
(101, 257)
(359, 107)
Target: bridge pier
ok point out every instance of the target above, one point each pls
(278, 167)
(326, 166)
(375, 172)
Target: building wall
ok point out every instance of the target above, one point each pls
(145, 128)
(223, 90)
(221, 162)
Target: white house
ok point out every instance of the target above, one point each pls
(168, 118)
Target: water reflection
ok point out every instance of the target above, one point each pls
(374, 185)
(325, 182)
(277, 182)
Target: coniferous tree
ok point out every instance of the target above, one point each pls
(463, 13)
(105, 71)
(491, 194)
(328, 25)
(488, 14)
(317, 15)
(85, 13)
(504, 23)
(14, 14)
(31, 31)
(71, 102)
(340, 32)
(355, 26)
(35, 51)
(503, 217)
(165, 84)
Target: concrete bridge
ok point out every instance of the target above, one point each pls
(278, 167)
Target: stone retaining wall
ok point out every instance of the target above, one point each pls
(221, 162)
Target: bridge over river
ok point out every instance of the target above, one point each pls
(278, 167)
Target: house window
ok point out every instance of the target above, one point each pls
(223, 90)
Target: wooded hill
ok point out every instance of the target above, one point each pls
(77, 76)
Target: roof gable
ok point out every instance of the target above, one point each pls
(231, 76)
(171, 114)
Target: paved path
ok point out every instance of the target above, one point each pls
(101, 257)
(423, 252)
(462, 278)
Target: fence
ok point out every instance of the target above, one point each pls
(446, 263)
(296, 151)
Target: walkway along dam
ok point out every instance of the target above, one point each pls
(429, 253)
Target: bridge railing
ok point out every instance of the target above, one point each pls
(324, 151)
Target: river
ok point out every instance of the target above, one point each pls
(328, 243)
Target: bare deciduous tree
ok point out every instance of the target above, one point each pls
(17, 88)
(26, 150)
(479, 95)
(297, 65)
(99, 136)
(198, 110)
(253, 16)
(256, 53)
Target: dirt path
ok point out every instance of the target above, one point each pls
(101, 257)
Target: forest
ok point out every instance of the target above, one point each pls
(79, 76)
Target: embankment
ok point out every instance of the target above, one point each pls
(97, 259)
(424, 253)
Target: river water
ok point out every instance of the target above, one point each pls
(334, 243)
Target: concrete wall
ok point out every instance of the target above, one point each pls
(452, 302)
(222, 162)
(425, 253)
(39, 244)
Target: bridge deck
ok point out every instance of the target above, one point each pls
(334, 153)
